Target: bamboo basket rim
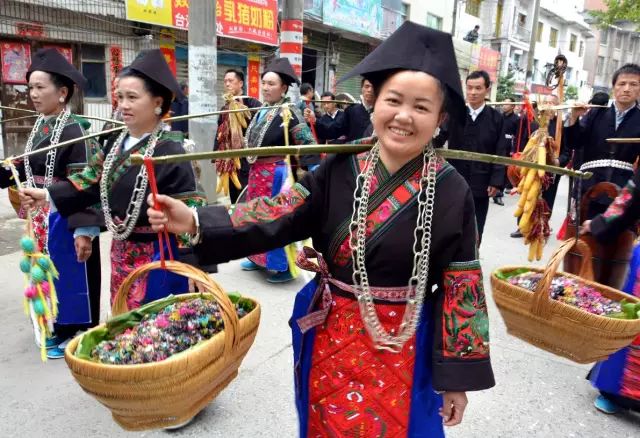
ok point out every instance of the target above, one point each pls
(72, 345)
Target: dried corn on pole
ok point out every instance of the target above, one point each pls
(230, 136)
(532, 210)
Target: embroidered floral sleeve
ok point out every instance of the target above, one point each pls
(192, 200)
(465, 322)
(301, 134)
(619, 204)
(265, 209)
(90, 174)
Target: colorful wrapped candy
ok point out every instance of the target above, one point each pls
(157, 336)
(573, 292)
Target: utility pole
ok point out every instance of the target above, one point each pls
(532, 44)
(291, 38)
(202, 79)
(455, 18)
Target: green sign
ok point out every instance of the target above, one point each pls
(359, 16)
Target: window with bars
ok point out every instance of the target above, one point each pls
(434, 21)
(553, 37)
(581, 51)
(473, 7)
(94, 69)
(600, 66)
(618, 40)
(573, 42)
(539, 31)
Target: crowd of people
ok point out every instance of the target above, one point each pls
(396, 230)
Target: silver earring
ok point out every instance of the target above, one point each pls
(61, 99)
(436, 132)
(157, 111)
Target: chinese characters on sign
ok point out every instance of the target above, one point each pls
(253, 75)
(250, 20)
(16, 59)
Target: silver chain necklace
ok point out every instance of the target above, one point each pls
(418, 281)
(270, 117)
(50, 163)
(123, 230)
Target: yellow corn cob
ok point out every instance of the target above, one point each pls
(542, 159)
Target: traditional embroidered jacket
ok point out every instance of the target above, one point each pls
(589, 137)
(299, 132)
(177, 180)
(78, 287)
(450, 350)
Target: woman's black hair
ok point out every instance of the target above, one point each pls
(154, 88)
(60, 81)
(378, 79)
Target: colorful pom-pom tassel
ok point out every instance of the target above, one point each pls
(37, 274)
(27, 244)
(25, 265)
(44, 263)
(38, 307)
(31, 292)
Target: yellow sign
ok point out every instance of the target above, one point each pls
(151, 11)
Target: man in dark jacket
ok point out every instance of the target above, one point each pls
(331, 127)
(609, 162)
(234, 84)
(180, 107)
(359, 115)
(483, 132)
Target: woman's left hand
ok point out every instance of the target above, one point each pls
(453, 406)
(83, 248)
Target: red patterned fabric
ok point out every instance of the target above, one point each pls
(617, 207)
(465, 325)
(400, 196)
(126, 256)
(261, 179)
(355, 390)
(630, 384)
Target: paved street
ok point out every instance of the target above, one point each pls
(537, 394)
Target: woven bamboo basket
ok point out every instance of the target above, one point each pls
(170, 392)
(557, 327)
(14, 198)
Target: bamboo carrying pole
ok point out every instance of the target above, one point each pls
(350, 149)
(624, 140)
(24, 110)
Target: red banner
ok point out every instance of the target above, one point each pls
(253, 75)
(170, 57)
(16, 59)
(180, 14)
(66, 51)
(250, 20)
(488, 62)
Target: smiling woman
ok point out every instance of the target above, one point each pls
(396, 314)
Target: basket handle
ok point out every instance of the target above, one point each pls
(228, 310)
(541, 300)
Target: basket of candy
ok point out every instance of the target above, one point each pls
(565, 314)
(159, 365)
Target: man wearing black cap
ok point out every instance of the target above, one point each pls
(483, 132)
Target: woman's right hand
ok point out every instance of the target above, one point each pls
(31, 198)
(172, 215)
